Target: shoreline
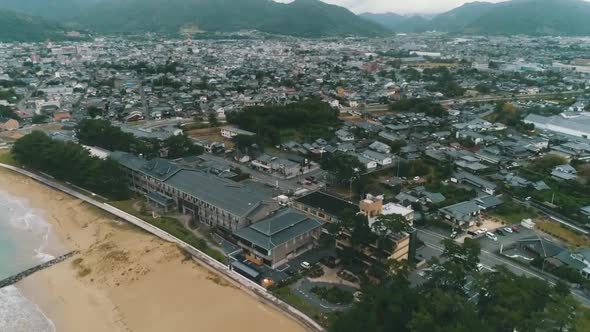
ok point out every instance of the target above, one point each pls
(123, 275)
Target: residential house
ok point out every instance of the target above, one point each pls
(379, 158)
(281, 166)
(564, 172)
(380, 147)
(368, 163)
(465, 214)
(344, 135)
(578, 260)
(474, 181)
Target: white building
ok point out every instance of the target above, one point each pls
(230, 132)
(393, 208)
(575, 126)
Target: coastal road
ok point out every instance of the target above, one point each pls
(198, 255)
(433, 239)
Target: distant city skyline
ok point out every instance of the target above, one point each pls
(400, 6)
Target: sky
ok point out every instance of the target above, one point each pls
(398, 6)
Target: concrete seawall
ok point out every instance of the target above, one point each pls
(18, 277)
(198, 255)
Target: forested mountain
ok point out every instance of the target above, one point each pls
(308, 18)
(390, 21)
(529, 17)
(19, 27)
(50, 9)
(535, 17)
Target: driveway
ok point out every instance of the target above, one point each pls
(303, 289)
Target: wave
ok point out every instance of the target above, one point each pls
(17, 313)
(30, 223)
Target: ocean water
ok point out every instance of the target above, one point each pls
(25, 241)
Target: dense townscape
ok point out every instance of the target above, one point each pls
(416, 182)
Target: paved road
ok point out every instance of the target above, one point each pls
(303, 289)
(433, 239)
(508, 98)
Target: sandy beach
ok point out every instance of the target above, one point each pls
(124, 279)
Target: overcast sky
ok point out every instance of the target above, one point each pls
(398, 6)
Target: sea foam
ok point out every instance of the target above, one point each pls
(18, 314)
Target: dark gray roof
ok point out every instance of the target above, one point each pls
(238, 199)
(158, 168)
(278, 228)
(488, 202)
(462, 211)
(541, 246)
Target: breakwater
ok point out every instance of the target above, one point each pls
(20, 276)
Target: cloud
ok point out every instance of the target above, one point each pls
(397, 6)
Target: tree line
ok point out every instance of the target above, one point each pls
(102, 134)
(68, 161)
(419, 105)
(8, 113)
(312, 118)
(457, 298)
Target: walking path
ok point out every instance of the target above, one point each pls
(198, 255)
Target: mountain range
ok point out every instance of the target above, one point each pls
(528, 17)
(35, 19)
(305, 18)
(20, 27)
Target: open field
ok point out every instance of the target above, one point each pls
(570, 237)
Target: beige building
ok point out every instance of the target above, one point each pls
(398, 249)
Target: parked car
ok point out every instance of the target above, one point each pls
(492, 236)
(499, 232)
(515, 229)
(454, 234)
(480, 267)
(508, 230)
(306, 265)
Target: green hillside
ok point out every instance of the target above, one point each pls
(527, 17)
(19, 27)
(535, 17)
(309, 18)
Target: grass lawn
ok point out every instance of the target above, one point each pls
(6, 158)
(285, 294)
(172, 226)
(513, 213)
(571, 237)
(515, 217)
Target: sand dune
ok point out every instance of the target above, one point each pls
(127, 280)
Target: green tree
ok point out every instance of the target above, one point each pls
(7, 112)
(39, 118)
(343, 167)
(483, 88)
(94, 111)
(180, 146)
(68, 161)
(213, 121)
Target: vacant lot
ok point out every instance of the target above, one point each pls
(572, 238)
